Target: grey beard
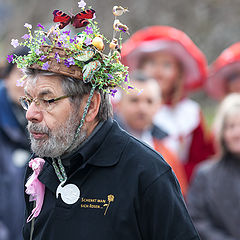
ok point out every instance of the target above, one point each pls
(60, 141)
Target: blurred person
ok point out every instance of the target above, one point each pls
(135, 114)
(14, 148)
(224, 73)
(169, 55)
(214, 194)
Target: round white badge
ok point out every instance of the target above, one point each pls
(70, 193)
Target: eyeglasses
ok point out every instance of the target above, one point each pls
(43, 104)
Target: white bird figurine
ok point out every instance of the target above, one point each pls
(118, 10)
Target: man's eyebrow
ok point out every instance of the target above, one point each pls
(42, 93)
(45, 92)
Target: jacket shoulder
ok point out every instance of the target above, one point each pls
(148, 164)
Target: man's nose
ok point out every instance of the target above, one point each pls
(33, 113)
(143, 106)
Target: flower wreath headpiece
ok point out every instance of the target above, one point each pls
(80, 56)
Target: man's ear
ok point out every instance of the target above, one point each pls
(94, 107)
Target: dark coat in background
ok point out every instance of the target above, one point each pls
(14, 154)
(213, 199)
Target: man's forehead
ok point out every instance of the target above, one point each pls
(44, 85)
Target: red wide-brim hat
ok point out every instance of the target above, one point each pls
(165, 38)
(227, 63)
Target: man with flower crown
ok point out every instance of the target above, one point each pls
(87, 178)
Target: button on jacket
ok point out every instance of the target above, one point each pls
(128, 192)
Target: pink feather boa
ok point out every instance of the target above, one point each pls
(35, 188)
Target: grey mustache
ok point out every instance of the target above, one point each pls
(38, 128)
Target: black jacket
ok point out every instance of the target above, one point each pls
(128, 192)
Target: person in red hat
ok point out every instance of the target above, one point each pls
(224, 73)
(170, 56)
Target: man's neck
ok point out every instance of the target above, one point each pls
(90, 127)
(89, 135)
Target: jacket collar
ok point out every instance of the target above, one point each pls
(104, 149)
(158, 133)
(111, 148)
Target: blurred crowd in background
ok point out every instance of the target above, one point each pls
(166, 66)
